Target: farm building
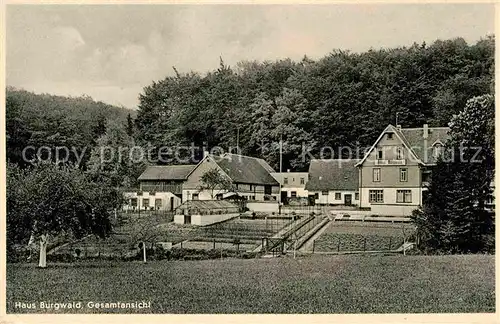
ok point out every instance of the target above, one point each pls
(150, 200)
(333, 182)
(293, 187)
(160, 188)
(250, 177)
(205, 212)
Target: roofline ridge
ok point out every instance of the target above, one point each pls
(328, 160)
(247, 156)
(419, 128)
(171, 165)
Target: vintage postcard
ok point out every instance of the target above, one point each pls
(249, 159)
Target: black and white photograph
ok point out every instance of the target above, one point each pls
(249, 158)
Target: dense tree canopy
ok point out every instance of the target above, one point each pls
(342, 99)
(453, 217)
(117, 158)
(34, 120)
(48, 200)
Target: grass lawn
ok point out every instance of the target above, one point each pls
(308, 284)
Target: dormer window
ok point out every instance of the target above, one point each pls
(438, 150)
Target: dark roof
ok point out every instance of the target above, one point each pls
(166, 172)
(334, 174)
(415, 140)
(246, 169)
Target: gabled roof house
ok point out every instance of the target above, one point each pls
(160, 188)
(395, 169)
(251, 178)
(333, 182)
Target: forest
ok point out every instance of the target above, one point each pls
(341, 100)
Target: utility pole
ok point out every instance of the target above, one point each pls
(281, 152)
(238, 141)
(280, 173)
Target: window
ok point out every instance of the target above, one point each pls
(157, 203)
(267, 190)
(356, 196)
(390, 135)
(380, 154)
(133, 202)
(195, 196)
(338, 196)
(403, 174)
(316, 196)
(376, 196)
(145, 202)
(399, 153)
(293, 194)
(152, 193)
(403, 196)
(302, 181)
(376, 175)
(253, 197)
(251, 187)
(426, 176)
(438, 150)
(324, 193)
(285, 180)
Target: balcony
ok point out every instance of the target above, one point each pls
(390, 162)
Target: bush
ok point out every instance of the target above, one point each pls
(63, 257)
(17, 255)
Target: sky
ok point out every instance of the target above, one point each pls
(111, 52)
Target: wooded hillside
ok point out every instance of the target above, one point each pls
(47, 120)
(342, 99)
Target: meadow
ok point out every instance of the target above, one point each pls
(307, 284)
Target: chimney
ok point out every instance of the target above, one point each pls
(398, 127)
(426, 149)
(205, 150)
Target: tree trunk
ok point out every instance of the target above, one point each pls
(144, 251)
(44, 239)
